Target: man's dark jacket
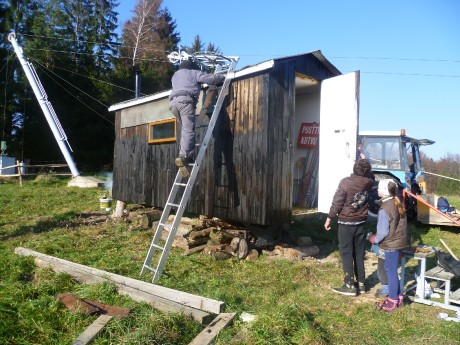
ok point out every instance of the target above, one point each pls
(351, 199)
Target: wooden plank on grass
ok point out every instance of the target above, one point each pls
(165, 305)
(210, 333)
(159, 303)
(92, 331)
(187, 299)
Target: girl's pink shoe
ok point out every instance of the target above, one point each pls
(401, 301)
(389, 304)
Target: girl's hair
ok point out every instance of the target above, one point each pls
(392, 189)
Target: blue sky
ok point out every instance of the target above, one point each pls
(408, 52)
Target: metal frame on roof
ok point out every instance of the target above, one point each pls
(262, 66)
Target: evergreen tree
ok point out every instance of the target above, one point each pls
(167, 30)
(211, 48)
(17, 16)
(69, 43)
(197, 45)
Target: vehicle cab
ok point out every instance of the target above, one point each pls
(393, 154)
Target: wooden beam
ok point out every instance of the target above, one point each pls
(157, 302)
(211, 332)
(184, 298)
(165, 305)
(92, 331)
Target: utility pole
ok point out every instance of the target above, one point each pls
(46, 106)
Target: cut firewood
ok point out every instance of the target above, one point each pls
(221, 236)
(194, 250)
(149, 218)
(199, 233)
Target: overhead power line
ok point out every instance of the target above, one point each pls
(95, 99)
(255, 55)
(394, 59)
(72, 94)
(415, 74)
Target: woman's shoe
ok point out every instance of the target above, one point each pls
(401, 301)
(389, 304)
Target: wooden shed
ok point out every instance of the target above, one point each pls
(287, 130)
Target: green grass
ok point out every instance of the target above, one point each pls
(292, 300)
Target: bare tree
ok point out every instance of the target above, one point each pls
(140, 34)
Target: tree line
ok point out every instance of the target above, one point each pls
(85, 66)
(442, 175)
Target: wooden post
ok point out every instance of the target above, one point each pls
(19, 173)
(121, 205)
(448, 249)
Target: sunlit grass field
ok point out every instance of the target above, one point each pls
(292, 301)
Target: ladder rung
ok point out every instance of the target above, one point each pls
(180, 184)
(157, 246)
(173, 205)
(163, 225)
(150, 268)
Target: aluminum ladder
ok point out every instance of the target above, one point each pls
(183, 190)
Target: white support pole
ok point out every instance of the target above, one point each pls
(46, 106)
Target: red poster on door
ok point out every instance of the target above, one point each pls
(308, 135)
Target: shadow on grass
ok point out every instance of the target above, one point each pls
(321, 331)
(312, 225)
(65, 220)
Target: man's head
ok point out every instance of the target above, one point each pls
(187, 64)
(362, 167)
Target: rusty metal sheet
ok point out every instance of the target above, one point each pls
(89, 307)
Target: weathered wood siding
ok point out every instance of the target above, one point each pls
(142, 173)
(247, 173)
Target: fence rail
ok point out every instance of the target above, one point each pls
(41, 169)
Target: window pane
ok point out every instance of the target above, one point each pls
(162, 131)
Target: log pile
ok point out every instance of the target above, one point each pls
(223, 240)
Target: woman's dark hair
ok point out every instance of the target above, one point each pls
(362, 167)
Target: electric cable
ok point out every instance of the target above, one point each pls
(256, 55)
(70, 93)
(95, 99)
(93, 54)
(95, 79)
(414, 74)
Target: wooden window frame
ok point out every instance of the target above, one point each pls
(162, 140)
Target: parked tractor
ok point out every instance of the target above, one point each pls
(394, 155)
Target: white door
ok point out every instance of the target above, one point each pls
(339, 113)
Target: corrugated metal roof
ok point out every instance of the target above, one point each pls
(247, 70)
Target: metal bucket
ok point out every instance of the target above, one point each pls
(105, 204)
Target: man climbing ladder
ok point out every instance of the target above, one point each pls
(186, 85)
(180, 191)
